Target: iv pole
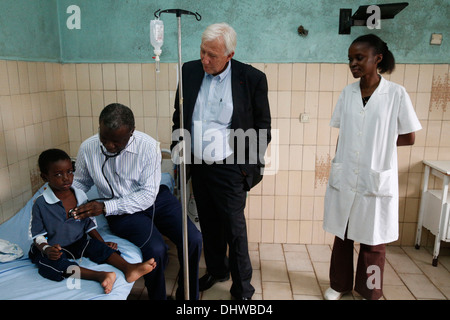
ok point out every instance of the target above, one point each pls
(178, 13)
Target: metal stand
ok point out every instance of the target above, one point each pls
(184, 199)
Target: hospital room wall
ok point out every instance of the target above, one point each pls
(33, 118)
(57, 105)
(54, 81)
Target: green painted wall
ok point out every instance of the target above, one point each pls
(29, 30)
(118, 30)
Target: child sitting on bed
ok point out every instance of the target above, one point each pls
(58, 237)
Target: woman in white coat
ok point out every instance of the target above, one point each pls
(374, 116)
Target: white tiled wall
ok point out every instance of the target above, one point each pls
(51, 105)
(33, 118)
(90, 87)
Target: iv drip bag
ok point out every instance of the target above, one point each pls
(157, 36)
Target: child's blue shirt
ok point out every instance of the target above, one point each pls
(48, 218)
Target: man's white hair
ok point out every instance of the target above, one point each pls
(224, 31)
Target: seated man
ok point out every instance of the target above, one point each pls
(125, 166)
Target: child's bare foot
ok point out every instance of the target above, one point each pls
(137, 270)
(108, 281)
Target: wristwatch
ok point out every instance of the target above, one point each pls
(104, 208)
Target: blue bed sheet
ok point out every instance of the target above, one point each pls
(20, 280)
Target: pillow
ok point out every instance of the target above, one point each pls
(9, 251)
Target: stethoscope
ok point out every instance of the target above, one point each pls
(107, 157)
(70, 213)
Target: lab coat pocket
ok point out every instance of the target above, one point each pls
(335, 175)
(380, 183)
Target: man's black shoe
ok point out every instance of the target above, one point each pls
(207, 281)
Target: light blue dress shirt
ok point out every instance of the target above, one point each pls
(211, 119)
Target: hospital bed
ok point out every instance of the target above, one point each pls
(20, 280)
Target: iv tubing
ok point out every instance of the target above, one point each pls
(157, 66)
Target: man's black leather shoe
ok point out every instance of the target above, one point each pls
(207, 281)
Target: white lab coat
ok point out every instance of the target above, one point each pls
(362, 190)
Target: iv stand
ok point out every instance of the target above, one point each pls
(179, 12)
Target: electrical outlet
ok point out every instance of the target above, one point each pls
(436, 39)
(304, 117)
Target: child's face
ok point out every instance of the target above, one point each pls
(60, 175)
(362, 60)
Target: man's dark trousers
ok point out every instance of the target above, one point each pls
(220, 198)
(166, 220)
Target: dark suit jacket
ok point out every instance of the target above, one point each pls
(250, 111)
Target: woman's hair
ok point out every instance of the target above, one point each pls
(50, 156)
(387, 64)
(115, 115)
(224, 31)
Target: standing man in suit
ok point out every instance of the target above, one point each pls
(226, 114)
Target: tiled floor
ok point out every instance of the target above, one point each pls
(300, 272)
